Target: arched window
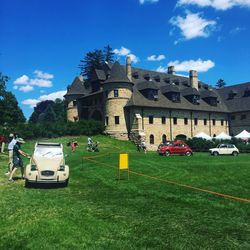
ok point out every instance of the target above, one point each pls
(151, 139)
(164, 138)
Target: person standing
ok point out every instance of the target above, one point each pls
(17, 160)
(12, 139)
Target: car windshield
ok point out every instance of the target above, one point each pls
(46, 151)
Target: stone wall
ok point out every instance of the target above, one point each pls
(72, 112)
(171, 130)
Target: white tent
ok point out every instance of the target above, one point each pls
(223, 136)
(203, 136)
(243, 135)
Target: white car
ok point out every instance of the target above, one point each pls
(224, 149)
(47, 165)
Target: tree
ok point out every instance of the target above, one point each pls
(95, 60)
(220, 83)
(10, 112)
(45, 109)
(108, 54)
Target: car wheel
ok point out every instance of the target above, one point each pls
(167, 153)
(27, 184)
(235, 153)
(215, 153)
(188, 153)
(65, 184)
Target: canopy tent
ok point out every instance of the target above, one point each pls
(203, 136)
(223, 136)
(243, 135)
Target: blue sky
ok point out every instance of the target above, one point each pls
(42, 41)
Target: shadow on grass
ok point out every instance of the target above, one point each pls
(45, 185)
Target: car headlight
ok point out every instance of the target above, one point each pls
(33, 167)
(62, 168)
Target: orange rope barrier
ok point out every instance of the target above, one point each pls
(178, 184)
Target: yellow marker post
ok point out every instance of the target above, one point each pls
(123, 164)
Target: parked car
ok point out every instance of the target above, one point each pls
(224, 149)
(47, 165)
(176, 148)
(163, 144)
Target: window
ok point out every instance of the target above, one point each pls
(214, 122)
(151, 139)
(163, 120)
(107, 120)
(186, 121)
(106, 94)
(195, 121)
(164, 138)
(116, 93)
(117, 120)
(196, 99)
(232, 117)
(175, 97)
(243, 117)
(175, 120)
(205, 122)
(74, 103)
(222, 122)
(151, 119)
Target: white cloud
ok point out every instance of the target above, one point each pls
(26, 88)
(148, 1)
(199, 65)
(43, 75)
(15, 87)
(52, 96)
(122, 51)
(41, 79)
(22, 80)
(134, 58)
(217, 4)
(193, 25)
(156, 58)
(41, 83)
(126, 52)
(236, 30)
(162, 69)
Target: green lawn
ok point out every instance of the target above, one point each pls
(98, 212)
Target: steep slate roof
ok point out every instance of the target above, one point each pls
(239, 102)
(77, 87)
(147, 85)
(117, 74)
(98, 74)
(170, 88)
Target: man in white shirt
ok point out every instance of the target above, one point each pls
(11, 145)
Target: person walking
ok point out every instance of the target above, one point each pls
(12, 138)
(17, 160)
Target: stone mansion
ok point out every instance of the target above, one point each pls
(158, 106)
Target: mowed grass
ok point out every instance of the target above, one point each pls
(97, 211)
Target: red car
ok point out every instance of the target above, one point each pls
(176, 148)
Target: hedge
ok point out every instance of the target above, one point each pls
(55, 129)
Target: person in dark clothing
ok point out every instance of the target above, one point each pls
(17, 160)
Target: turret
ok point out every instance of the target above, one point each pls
(118, 90)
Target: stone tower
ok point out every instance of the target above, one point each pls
(74, 91)
(118, 90)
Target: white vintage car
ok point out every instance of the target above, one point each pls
(224, 149)
(47, 165)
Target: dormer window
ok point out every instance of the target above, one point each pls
(247, 92)
(176, 82)
(175, 97)
(157, 78)
(151, 94)
(232, 94)
(185, 83)
(166, 80)
(196, 99)
(135, 75)
(147, 77)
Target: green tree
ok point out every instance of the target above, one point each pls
(95, 60)
(108, 54)
(48, 115)
(10, 112)
(220, 83)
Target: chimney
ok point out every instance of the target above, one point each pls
(171, 70)
(128, 68)
(193, 79)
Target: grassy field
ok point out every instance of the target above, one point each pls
(97, 211)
